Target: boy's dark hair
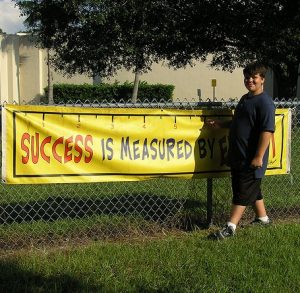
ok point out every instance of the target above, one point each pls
(255, 68)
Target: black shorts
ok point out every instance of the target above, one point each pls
(245, 187)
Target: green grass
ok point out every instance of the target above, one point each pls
(257, 259)
(175, 188)
(142, 200)
(68, 232)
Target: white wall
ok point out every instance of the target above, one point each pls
(23, 70)
(34, 72)
(23, 75)
(188, 80)
(9, 70)
(31, 66)
(59, 77)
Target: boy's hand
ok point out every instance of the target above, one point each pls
(213, 123)
(256, 163)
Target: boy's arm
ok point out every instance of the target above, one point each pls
(263, 143)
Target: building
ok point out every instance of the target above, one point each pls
(23, 75)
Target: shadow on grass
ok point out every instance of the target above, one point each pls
(15, 279)
(149, 207)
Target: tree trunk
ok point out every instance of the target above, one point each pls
(298, 84)
(136, 86)
(50, 80)
(287, 80)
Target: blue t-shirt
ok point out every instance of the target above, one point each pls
(253, 115)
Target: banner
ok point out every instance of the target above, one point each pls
(49, 144)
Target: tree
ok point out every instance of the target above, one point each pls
(242, 31)
(101, 36)
(49, 79)
(268, 31)
(96, 37)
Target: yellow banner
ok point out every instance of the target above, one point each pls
(48, 144)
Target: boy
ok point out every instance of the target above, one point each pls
(251, 128)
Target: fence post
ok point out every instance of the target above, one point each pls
(209, 202)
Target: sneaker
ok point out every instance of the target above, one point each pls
(257, 221)
(227, 231)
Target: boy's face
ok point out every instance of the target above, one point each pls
(254, 83)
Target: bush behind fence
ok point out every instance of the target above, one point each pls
(103, 92)
(57, 214)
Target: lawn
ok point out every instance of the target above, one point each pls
(257, 259)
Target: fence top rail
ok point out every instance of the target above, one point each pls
(291, 103)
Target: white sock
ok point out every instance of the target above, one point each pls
(231, 225)
(264, 219)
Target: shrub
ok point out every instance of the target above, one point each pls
(71, 93)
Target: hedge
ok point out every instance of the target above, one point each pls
(66, 93)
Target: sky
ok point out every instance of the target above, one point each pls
(10, 20)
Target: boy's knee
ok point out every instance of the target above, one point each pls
(242, 201)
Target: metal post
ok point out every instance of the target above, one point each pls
(214, 84)
(209, 202)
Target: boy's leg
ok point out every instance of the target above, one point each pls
(236, 213)
(260, 213)
(259, 208)
(243, 187)
(229, 229)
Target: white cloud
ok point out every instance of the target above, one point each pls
(10, 20)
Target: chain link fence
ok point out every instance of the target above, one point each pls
(62, 214)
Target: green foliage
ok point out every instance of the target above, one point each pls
(100, 37)
(116, 92)
(97, 37)
(237, 32)
(267, 31)
(257, 259)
